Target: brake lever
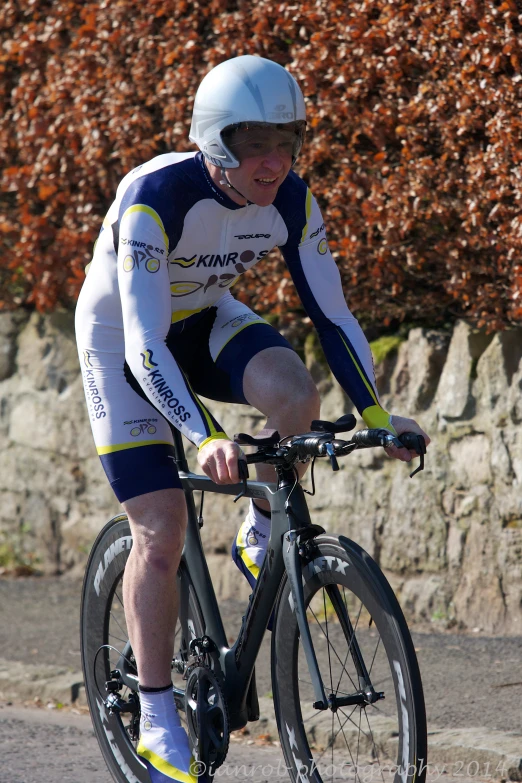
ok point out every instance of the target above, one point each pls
(243, 475)
(414, 442)
(329, 448)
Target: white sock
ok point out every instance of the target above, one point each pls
(163, 740)
(256, 533)
(159, 706)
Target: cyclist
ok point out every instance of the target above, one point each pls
(157, 325)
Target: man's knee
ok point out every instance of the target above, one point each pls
(277, 382)
(299, 394)
(158, 523)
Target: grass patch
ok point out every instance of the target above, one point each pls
(15, 561)
(385, 346)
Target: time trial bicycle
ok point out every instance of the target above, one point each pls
(347, 691)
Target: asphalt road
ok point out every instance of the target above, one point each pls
(39, 746)
(470, 680)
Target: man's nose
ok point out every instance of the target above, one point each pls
(273, 160)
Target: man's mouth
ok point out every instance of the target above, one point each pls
(266, 182)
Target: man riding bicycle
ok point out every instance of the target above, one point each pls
(157, 325)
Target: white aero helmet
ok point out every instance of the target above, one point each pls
(246, 89)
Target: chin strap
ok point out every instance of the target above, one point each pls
(224, 181)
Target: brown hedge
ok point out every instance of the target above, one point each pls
(414, 149)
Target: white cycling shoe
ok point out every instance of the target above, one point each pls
(164, 746)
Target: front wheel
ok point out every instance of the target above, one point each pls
(375, 723)
(107, 655)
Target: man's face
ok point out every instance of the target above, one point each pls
(265, 157)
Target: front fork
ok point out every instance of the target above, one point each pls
(294, 548)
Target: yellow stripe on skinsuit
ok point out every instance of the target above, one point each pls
(251, 323)
(152, 213)
(308, 208)
(373, 415)
(214, 433)
(352, 357)
(252, 567)
(180, 315)
(122, 446)
(164, 767)
(219, 436)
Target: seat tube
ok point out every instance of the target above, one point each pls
(194, 556)
(179, 451)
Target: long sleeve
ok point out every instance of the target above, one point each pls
(318, 284)
(145, 295)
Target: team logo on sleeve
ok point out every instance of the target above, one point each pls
(316, 233)
(147, 359)
(139, 258)
(322, 247)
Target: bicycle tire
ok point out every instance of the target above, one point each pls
(102, 622)
(388, 738)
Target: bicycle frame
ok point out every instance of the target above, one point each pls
(289, 512)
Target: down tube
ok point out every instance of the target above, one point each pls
(194, 556)
(240, 660)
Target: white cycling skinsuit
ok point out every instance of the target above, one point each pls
(156, 323)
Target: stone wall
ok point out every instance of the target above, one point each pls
(450, 540)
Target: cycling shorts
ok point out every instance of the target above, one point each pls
(133, 439)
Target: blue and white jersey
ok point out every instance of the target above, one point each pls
(172, 245)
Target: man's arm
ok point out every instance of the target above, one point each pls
(346, 348)
(318, 284)
(144, 285)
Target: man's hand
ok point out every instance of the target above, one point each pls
(401, 425)
(219, 460)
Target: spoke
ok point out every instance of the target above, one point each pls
(344, 739)
(328, 640)
(113, 636)
(374, 745)
(375, 653)
(358, 741)
(381, 711)
(333, 648)
(307, 682)
(333, 738)
(341, 728)
(113, 617)
(350, 644)
(349, 718)
(119, 599)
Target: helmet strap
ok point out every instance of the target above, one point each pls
(225, 181)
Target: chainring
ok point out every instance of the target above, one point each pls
(207, 718)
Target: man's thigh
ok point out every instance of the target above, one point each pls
(133, 440)
(215, 354)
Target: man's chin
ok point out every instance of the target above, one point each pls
(263, 199)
